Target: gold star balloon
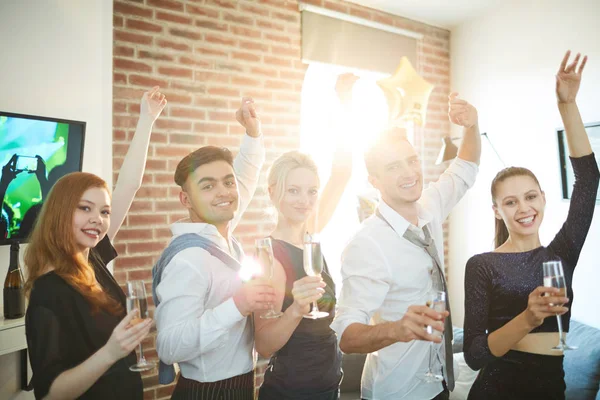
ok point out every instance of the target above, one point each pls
(407, 94)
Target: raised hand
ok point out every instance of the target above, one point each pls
(305, 291)
(568, 78)
(542, 304)
(343, 87)
(247, 117)
(9, 171)
(461, 112)
(126, 337)
(153, 102)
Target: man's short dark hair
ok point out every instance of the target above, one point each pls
(388, 137)
(204, 155)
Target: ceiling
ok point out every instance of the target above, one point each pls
(442, 13)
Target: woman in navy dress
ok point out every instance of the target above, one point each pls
(510, 324)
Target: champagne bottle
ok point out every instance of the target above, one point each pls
(14, 294)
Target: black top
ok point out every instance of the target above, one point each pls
(497, 285)
(310, 362)
(62, 332)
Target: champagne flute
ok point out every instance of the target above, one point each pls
(313, 266)
(136, 299)
(436, 300)
(264, 255)
(555, 277)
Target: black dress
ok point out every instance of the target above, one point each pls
(308, 366)
(62, 332)
(497, 287)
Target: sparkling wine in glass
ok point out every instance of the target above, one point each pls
(136, 299)
(437, 301)
(264, 255)
(313, 266)
(555, 277)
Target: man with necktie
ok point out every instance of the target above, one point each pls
(396, 259)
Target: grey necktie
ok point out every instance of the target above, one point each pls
(439, 282)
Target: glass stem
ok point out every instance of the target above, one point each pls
(561, 340)
(141, 359)
(315, 307)
(431, 358)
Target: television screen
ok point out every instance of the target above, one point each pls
(567, 175)
(34, 153)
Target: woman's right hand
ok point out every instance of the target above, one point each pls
(540, 305)
(568, 78)
(126, 337)
(305, 291)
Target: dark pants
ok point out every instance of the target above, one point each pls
(239, 387)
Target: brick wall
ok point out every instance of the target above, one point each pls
(205, 55)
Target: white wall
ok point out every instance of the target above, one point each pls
(56, 61)
(504, 63)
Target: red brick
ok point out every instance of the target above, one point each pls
(153, 55)
(209, 76)
(221, 116)
(245, 81)
(238, 55)
(190, 87)
(238, 18)
(173, 205)
(158, 138)
(210, 102)
(210, 51)
(173, 124)
(178, 98)
(126, 261)
(132, 37)
(270, 72)
(209, 24)
(142, 26)
(286, 17)
(254, 9)
(176, 72)
(156, 165)
(141, 205)
(187, 112)
(194, 140)
(206, 128)
(130, 9)
(119, 78)
(186, 34)
(119, 135)
(123, 51)
(245, 32)
(247, 45)
(146, 81)
(336, 7)
(133, 109)
(121, 63)
(144, 247)
(383, 19)
(203, 11)
(133, 234)
(198, 62)
(278, 38)
(179, 19)
(277, 61)
(166, 4)
(176, 217)
(173, 45)
(360, 12)
(224, 91)
(269, 25)
(117, 21)
(123, 121)
(220, 40)
(278, 85)
(151, 193)
(286, 51)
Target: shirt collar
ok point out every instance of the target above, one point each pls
(398, 222)
(208, 231)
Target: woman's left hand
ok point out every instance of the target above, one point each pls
(568, 78)
(153, 102)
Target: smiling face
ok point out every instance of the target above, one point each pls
(91, 218)
(210, 193)
(299, 197)
(520, 202)
(397, 174)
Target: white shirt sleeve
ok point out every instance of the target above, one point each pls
(247, 165)
(441, 196)
(365, 283)
(186, 328)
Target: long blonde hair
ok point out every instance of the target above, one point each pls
(52, 242)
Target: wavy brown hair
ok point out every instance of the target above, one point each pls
(501, 232)
(52, 243)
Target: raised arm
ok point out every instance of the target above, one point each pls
(568, 80)
(464, 114)
(250, 159)
(132, 169)
(341, 168)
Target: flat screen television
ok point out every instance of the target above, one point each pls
(566, 170)
(34, 153)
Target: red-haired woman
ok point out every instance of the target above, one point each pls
(79, 337)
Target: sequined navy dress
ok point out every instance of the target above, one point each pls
(497, 286)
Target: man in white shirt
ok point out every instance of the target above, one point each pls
(203, 316)
(386, 278)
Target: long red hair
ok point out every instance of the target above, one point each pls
(52, 242)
